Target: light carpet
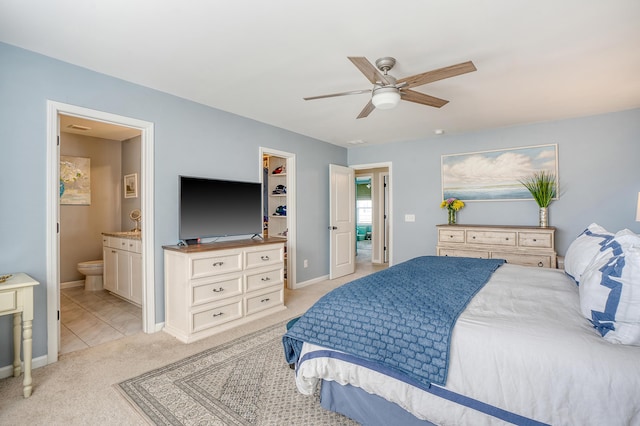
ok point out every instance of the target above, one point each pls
(244, 382)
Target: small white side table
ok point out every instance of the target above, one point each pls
(16, 297)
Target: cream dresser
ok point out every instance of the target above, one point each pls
(520, 245)
(210, 288)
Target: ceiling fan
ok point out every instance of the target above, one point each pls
(387, 91)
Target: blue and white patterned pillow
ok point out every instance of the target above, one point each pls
(610, 290)
(584, 249)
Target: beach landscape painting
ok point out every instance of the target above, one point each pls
(496, 175)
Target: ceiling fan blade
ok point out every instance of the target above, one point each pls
(439, 74)
(421, 98)
(371, 72)
(368, 108)
(353, 92)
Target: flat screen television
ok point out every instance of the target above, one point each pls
(218, 208)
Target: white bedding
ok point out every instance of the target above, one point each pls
(521, 345)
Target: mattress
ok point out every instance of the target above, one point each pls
(521, 352)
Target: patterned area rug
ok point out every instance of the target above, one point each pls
(244, 382)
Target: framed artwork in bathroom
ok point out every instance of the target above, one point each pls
(75, 180)
(131, 185)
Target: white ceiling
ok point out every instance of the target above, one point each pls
(537, 60)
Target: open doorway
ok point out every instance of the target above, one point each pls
(100, 282)
(373, 214)
(364, 218)
(278, 177)
(55, 113)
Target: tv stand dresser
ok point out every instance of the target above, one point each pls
(210, 288)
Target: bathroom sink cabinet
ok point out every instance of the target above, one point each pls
(123, 267)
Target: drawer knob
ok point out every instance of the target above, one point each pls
(534, 240)
(540, 264)
(265, 279)
(507, 238)
(218, 314)
(265, 258)
(451, 236)
(218, 263)
(265, 300)
(473, 237)
(218, 290)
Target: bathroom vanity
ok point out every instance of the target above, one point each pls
(122, 254)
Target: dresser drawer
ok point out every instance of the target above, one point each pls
(493, 238)
(220, 263)
(257, 258)
(211, 291)
(262, 279)
(463, 253)
(535, 239)
(265, 300)
(451, 236)
(542, 261)
(214, 316)
(8, 301)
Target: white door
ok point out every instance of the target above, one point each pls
(342, 223)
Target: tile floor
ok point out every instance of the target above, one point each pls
(90, 318)
(363, 251)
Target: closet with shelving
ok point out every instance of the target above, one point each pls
(275, 199)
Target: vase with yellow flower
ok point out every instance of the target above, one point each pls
(452, 205)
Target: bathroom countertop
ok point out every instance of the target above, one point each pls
(132, 235)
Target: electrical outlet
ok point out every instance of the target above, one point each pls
(305, 263)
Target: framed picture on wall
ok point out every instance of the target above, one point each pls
(131, 185)
(75, 180)
(496, 175)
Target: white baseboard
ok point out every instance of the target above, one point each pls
(71, 284)
(310, 282)
(7, 371)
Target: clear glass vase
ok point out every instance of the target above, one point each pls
(452, 217)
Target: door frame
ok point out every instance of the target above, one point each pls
(389, 166)
(54, 109)
(291, 208)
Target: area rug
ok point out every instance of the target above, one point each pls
(244, 382)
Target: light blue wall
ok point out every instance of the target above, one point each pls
(599, 178)
(190, 139)
(598, 157)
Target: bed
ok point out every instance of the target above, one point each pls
(531, 346)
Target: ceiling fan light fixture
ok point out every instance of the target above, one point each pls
(386, 97)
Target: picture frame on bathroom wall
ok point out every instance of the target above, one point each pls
(131, 185)
(75, 180)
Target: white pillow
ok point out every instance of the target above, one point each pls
(610, 290)
(584, 249)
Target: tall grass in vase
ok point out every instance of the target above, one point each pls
(542, 186)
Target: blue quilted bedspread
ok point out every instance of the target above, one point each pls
(401, 317)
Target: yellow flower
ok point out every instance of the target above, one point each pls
(452, 204)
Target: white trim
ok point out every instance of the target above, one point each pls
(291, 209)
(53, 213)
(72, 284)
(311, 282)
(38, 362)
(389, 167)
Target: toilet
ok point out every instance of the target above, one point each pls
(92, 270)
